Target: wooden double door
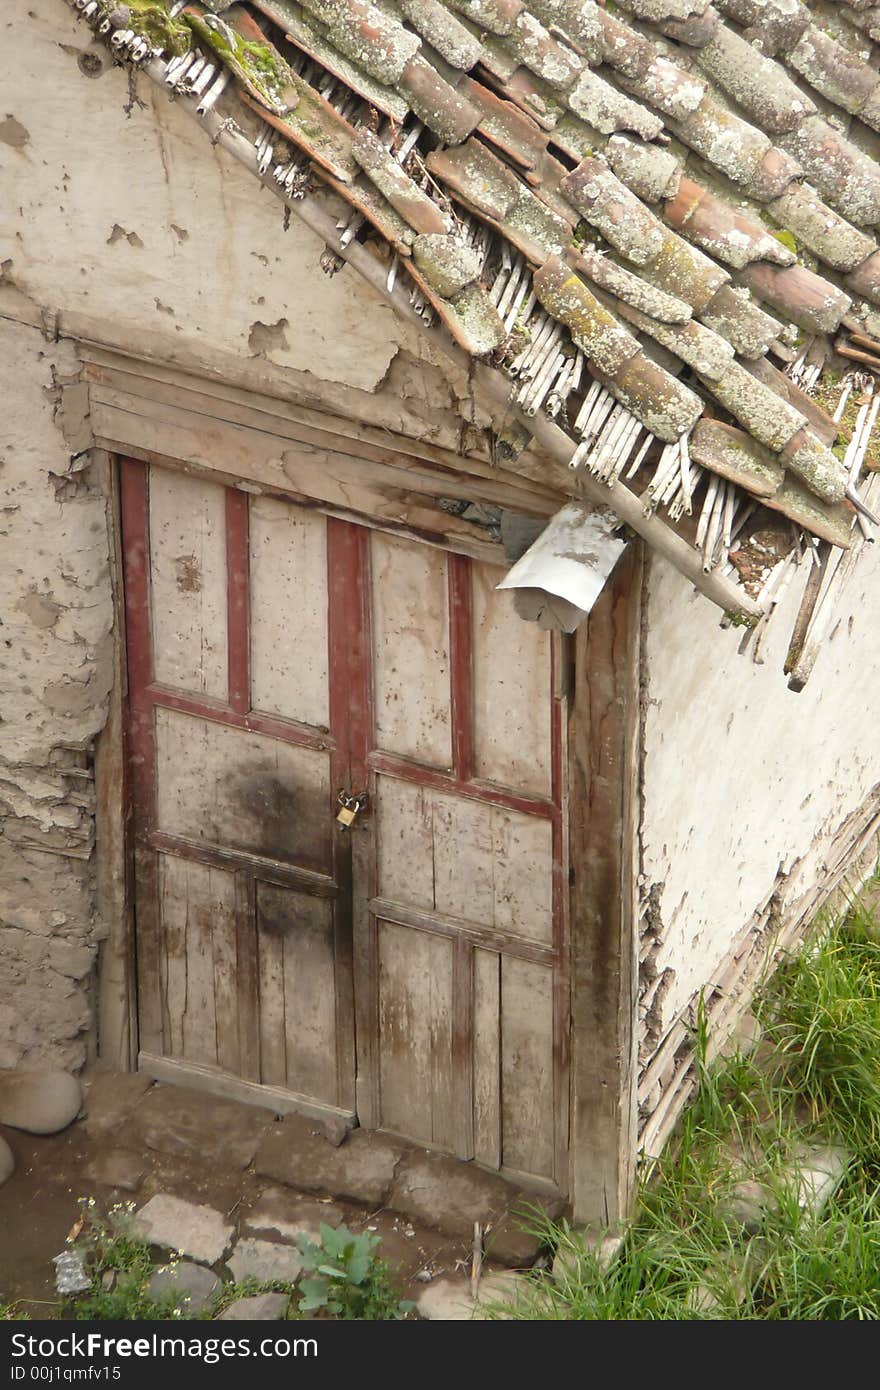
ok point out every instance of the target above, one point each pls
(409, 971)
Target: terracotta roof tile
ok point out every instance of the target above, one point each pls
(496, 99)
(842, 173)
(834, 71)
(798, 294)
(407, 199)
(448, 35)
(721, 229)
(733, 454)
(440, 106)
(370, 37)
(312, 38)
(755, 82)
(554, 62)
(505, 124)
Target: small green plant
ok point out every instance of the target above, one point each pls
(344, 1278)
(119, 1265)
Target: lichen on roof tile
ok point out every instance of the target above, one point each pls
(844, 174)
(668, 87)
(628, 287)
(505, 124)
(818, 227)
(580, 20)
(474, 172)
(832, 70)
(663, 404)
(683, 270)
(648, 171)
(759, 410)
(499, 16)
(608, 109)
(653, 10)
(721, 229)
(705, 352)
(452, 39)
(829, 522)
(593, 329)
(742, 322)
(610, 207)
(756, 83)
(302, 30)
(448, 263)
(444, 110)
(724, 139)
(816, 466)
(866, 279)
(554, 62)
(376, 41)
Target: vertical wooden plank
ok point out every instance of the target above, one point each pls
(351, 723)
(225, 951)
(460, 639)
(528, 1139)
(603, 761)
(288, 624)
(415, 1032)
(410, 650)
(304, 927)
(273, 1019)
(188, 581)
(511, 690)
(238, 600)
(487, 1058)
(562, 668)
(403, 818)
(463, 865)
(141, 748)
(462, 1059)
(248, 975)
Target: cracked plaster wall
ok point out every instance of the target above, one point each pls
(742, 778)
(138, 220)
(56, 662)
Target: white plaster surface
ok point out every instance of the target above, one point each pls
(742, 776)
(137, 217)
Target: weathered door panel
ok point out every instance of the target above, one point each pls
(242, 885)
(462, 984)
(276, 656)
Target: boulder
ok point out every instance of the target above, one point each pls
(7, 1161)
(40, 1102)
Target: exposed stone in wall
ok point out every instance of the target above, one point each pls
(56, 647)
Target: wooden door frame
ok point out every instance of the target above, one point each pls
(601, 753)
(604, 741)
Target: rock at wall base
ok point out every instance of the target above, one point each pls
(39, 1102)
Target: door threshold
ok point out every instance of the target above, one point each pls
(228, 1087)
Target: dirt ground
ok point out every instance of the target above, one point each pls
(39, 1205)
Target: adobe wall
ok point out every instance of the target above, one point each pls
(122, 225)
(752, 796)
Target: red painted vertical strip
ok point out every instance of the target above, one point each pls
(238, 635)
(351, 703)
(136, 568)
(558, 709)
(461, 664)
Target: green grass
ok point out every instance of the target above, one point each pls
(814, 1079)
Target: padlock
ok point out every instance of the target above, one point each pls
(346, 814)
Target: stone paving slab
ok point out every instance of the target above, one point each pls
(279, 1214)
(361, 1168)
(265, 1260)
(122, 1168)
(224, 1133)
(111, 1098)
(439, 1191)
(450, 1299)
(263, 1307)
(193, 1286)
(173, 1224)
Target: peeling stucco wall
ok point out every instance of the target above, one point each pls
(56, 662)
(122, 209)
(743, 779)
